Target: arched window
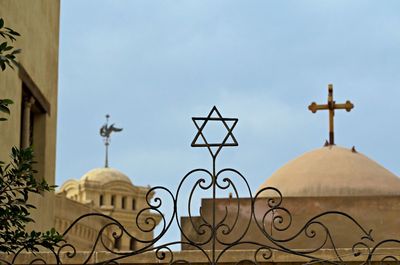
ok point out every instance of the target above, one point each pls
(133, 244)
(133, 204)
(123, 200)
(112, 200)
(101, 200)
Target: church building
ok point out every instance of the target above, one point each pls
(109, 192)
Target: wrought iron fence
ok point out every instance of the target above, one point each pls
(217, 236)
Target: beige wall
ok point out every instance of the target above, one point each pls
(379, 213)
(88, 192)
(84, 233)
(38, 23)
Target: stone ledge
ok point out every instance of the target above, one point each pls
(198, 257)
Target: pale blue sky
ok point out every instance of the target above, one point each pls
(152, 65)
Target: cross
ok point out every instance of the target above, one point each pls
(331, 106)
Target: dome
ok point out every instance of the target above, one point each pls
(333, 171)
(105, 175)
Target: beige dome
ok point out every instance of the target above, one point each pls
(333, 171)
(105, 175)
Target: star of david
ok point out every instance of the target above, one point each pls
(228, 123)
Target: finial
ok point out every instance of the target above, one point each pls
(326, 143)
(353, 149)
(105, 132)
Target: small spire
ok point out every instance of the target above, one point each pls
(326, 143)
(353, 149)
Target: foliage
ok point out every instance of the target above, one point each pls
(17, 182)
(4, 107)
(7, 56)
(7, 52)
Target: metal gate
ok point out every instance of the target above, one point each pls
(214, 232)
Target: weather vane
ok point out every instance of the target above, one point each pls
(331, 106)
(105, 132)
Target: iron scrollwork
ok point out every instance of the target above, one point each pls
(220, 229)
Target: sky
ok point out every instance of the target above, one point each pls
(152, 65)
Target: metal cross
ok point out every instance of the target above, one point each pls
(331, 106)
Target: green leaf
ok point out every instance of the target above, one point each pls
(6, 101)
(11, 31)
(3, 46)
(10, 56)
(9, 64)
(3, 108)
(11, 37)
(16, 51)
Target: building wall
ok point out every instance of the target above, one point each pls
(379, 213)
(38, 23)
(85, 195)
(84, 233)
